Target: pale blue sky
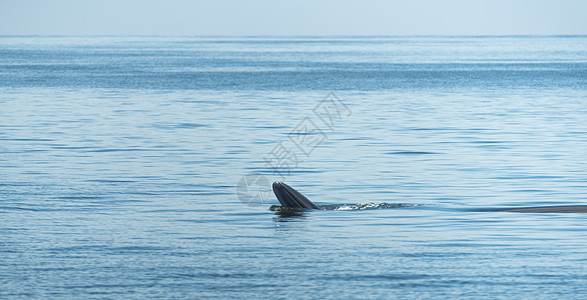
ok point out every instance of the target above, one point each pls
(300, 17)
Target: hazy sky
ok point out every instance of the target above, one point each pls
(299, 17)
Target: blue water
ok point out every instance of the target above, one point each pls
(121, 158)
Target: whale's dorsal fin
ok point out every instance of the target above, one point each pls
(289, 197)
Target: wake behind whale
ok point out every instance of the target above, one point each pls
(292, 200)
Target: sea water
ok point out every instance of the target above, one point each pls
(138, 167)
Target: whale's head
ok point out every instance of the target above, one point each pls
(288, 197)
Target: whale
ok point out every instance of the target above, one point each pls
(291, 198)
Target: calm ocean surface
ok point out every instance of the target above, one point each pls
(121, 157)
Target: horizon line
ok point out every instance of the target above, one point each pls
(293, 35)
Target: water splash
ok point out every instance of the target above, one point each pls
(358, 206)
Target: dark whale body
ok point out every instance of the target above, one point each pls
(289, 197)
(546, 209)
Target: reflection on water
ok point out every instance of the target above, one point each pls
(285, 214)
(290, 221)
